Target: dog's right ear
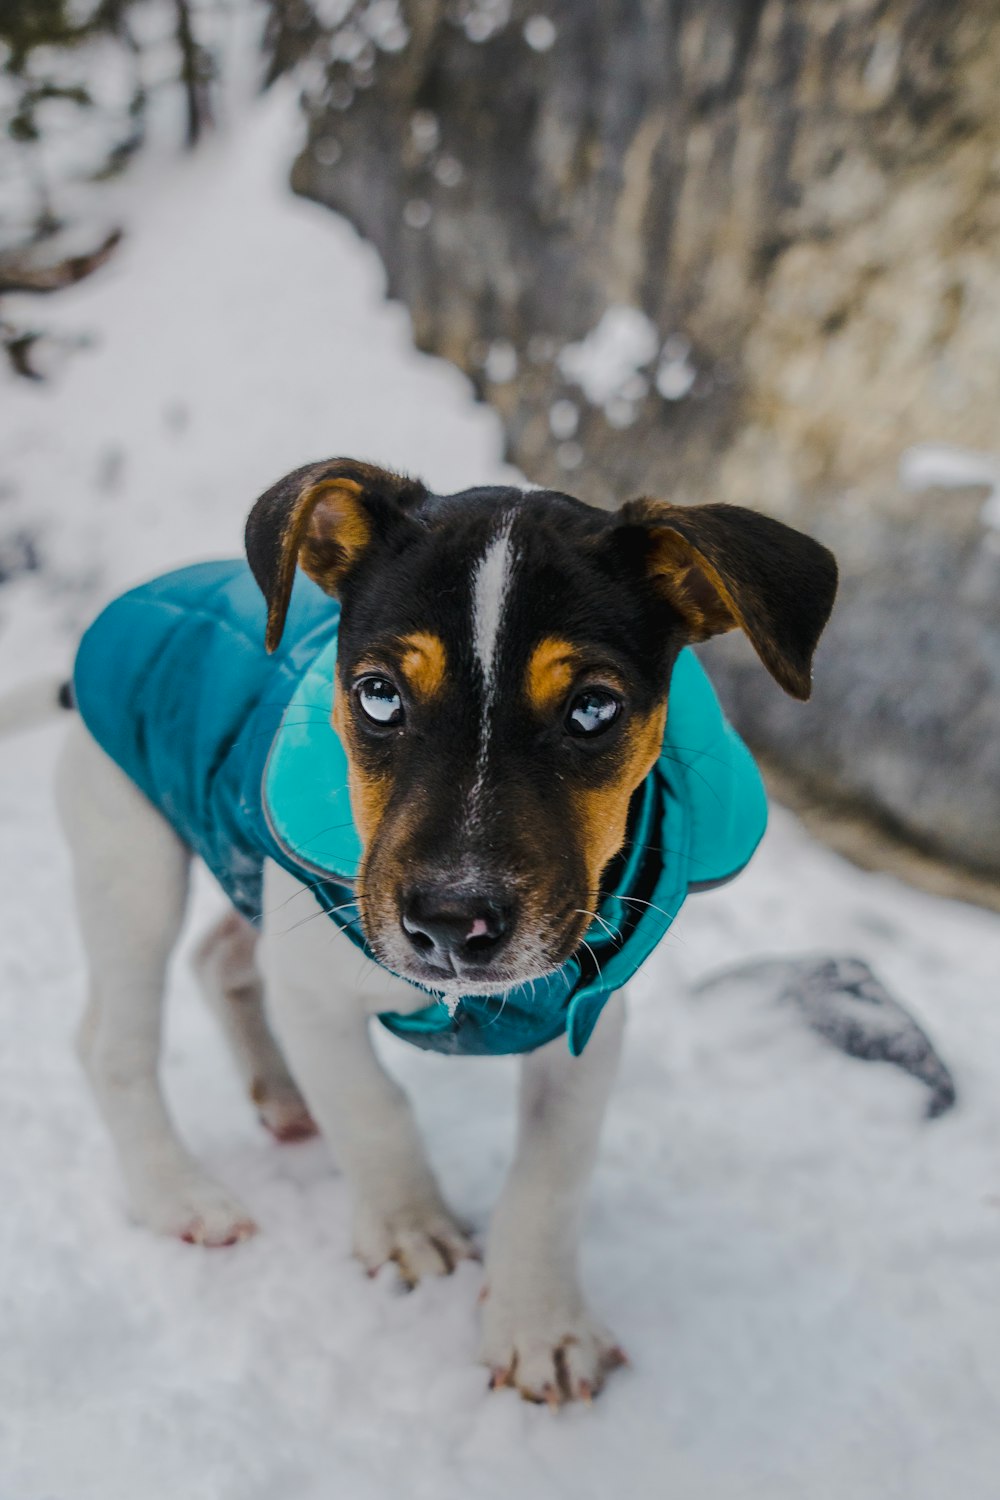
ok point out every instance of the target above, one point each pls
(322, 518)
(720, 566)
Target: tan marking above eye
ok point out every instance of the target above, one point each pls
(551, 668)
(423, 662)
(602, 812)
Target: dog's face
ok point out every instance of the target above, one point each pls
(503, 668)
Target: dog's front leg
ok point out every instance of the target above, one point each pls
(321, 1022)
(537, 1331)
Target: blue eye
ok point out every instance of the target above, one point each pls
(379, 701)
(592, 712)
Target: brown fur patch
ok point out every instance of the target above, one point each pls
(423, 663)
(316, 516)
(602, 812)
(369, 794)
(337, 531)
(325, 529)
(551, 669)
(693, 585)
(721, 566)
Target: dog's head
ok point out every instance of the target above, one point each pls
(502, 674)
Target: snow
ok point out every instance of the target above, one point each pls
(603, 362)
(500, 364)
(675, 374)
(539, 33)
(945, 464)
(134, 68)
(803, 1269)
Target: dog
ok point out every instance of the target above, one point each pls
(468, 730)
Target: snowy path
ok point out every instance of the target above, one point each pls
(804, 1271)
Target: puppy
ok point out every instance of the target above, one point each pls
(476, 749)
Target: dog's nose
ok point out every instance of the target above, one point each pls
(456, 931)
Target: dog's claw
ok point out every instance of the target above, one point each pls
(430, 1243)
(296, 1130)
(198, 1234)
(406, 1276)
(551, 1369)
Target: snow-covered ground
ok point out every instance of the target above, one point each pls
(805, 1272)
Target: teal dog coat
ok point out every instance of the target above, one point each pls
(236, 750)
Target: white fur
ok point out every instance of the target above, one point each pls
(131, 876)
(491, 584)
(226, 965)
(29, 704)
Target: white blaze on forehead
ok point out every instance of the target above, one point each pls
(490, 587)
(490, 591)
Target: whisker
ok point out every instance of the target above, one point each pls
(665, 936)
(613, 932)
(272, 733)
(688, 765)
(503, 1006)
(307, 887)
(331, 828)
(332, 910)
(323, 912)
(600, 971)
(662, 849)
(637, 901)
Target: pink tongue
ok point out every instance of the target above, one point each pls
(478, 929)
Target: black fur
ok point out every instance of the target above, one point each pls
(782, 581)
(580, 575)
(276, 524)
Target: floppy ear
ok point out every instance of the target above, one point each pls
(721, 567)
(321, 517)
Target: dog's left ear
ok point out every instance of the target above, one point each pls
(721, 567)
(322, 518)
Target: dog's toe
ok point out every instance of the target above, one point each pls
(217, 1235)
(288, 1120)
(421, 1243)
(552, 1367)
(197, 1211)
(282, 1110)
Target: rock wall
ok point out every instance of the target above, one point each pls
(745, 250)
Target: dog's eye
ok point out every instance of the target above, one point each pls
(592, 712)
(379, 701)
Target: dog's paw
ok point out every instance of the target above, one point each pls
(195, 1209)
(552, 1358)
(283, 1111)
(422, 1240)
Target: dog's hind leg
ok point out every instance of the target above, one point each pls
(131, 877)
(225, 963)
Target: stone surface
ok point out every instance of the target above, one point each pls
(747, 250)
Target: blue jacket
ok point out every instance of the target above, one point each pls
(236, 749)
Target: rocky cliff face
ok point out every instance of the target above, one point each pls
(746, 250)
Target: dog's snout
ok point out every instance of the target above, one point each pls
(456, 931)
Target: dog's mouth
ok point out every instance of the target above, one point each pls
(488, 980)
(528, 954)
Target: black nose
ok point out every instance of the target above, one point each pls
(456, 931)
